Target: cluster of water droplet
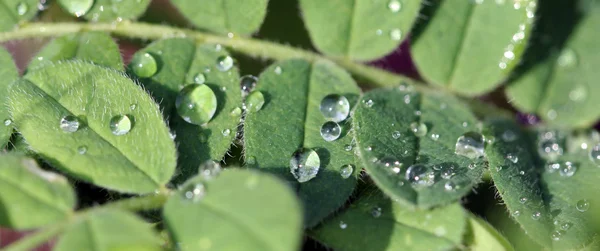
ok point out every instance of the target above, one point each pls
(335, 108)
(518, 39)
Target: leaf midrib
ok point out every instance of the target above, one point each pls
(12, 15)
(461, 44)
(32, 195)
(416, 229)
(351, 27)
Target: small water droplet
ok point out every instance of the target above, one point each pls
(391, 164)
(549, 146)
(199, 78)
(330, 131)
(7, 122)
(369, 148)
(513, 158)
(346, 171)
(552, 114)
(78, 7)
(394, 6)
(420, 175)
(509, 136)
(278, 70)
(516, 213)
(120, 125)
(594, 152)
(522, 172)
(209, 169)
(407, 99)
(348, 148)
(235, 111)
(132, 106)
(396, 135)
(450, 186)
(567, 58)
(536, 215)
(255, 101)
(435, 137)
(578, 93)
(196, 104)
(419, 129)
(335, 107)
(226, 132)
(251, 160)
(247, 84)
(69, 123)
(368, 103)
(582, 205)
(556, 235)
(376, 212)
(224, 63)
(470, 145)
(343, 225)
(396, 34)
(568, 169)
(553, 167)
(144, 65)
(194, 192)
(446, 171)
(523, 200)
(565, 226)
(82, 149)
(305, 164)
(22, 9)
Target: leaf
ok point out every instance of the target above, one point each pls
(470, 47)
(31, 197)
(290, 120)
(8, 73)
(208, 214)
(13, 12)
(556, 80)
(537, 190)
(180, 61)
(105, 10)
(139, 161)
(384, 124)
(96, 47)
(375, 223)
(224, 16)
(109, 230)
(359, 29)
(482, 236)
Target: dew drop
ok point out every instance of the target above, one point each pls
(69, 123)
(565, 226)
(549, 145)
(447, 172)
(335, 107)
(251, 160)
(396, 135)
(523, 200)
(391, 164)
(199, 78)
(567, 58)
(235, 111)
(419, 129)
(516, 213)
(513, 158)
(582, 205)
(394, 6)
(224, 63)
(346, 171)
(196, 104)
(194, 192)
(552, 167)
(376, 212)
(82, 149)
(450, 186)
(594, 152)
(144, 65)
(278, 70)
(578, 93)
(435, 137)
(7, 122)
(556, 235)
(22, 9)
(509, 136)
(120, 125)
(209, 169)
(78, 7)
(368, 103)
(304, 164)
(536, 215)
(348, 148)
(330, 131)
(396, 34)
(226, 132)
(247, 84)
(420, 175)
(470, 145)
(369, 148)
(343, 225)
(568, 169)
(255, 101)
(132, 106)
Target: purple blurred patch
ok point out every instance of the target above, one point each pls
(399, 61)
(527, 119)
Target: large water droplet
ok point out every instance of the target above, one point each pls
(247, 84)
(419, 129)
(255, 101)
(224, 63)
(305, 164)
(470, 145)
(582, 205)
(394, 6)
(120, 125)
(144, 65)
(196, 104)
(330, 131)
(594, 154)
(567, 58)
(420, 175)
(568, 169)
(22, 8)
(194, 192)
(199, 78)
(77, 7)
(209, 169)
(335, 107)
(346, 171)
(69, 123)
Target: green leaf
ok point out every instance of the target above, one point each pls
(105, 10)
(8, 73)
(139, 161)
(96, 47)
(290, 120)
(482, 236)
(359, 29)
(470, 47)
(384, 136)
(31, 197)
(13, 12)
(528, 186)
(556, 80)
(180, 61)
(224, 16)
(374, 222)
(109, 230)
(207, 214)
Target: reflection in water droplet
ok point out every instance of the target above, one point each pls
(196, 104)
(582, 205)
(536, 215)
(578, 93)
(225, 132)
(78, 7)
(348, 148)
(396, 134)
(470, 145)
(394, 6)
(224, 63)
(132, 106)
(335, 107)
(450, 186)
(390, 164)
(330, 131)
(368, 103)
(144, 65)
(419, 129)
(549, 145)
(247, 84)
(513, 158)
(194, 192)
(523, 200)
(556, 235)
(69, 123)
(346, 171)
(435, 137)
(446, 171)
(254, 101)
(120, 125)
(568, 169)
(305, 164)
(516, 213)
(420, 175)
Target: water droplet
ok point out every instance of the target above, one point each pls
(523, 200)
(218, 47)
(396, 134)
(391, 164)
(556, 235)
(194, 192)
(450, 186)
(81, 149)
(330, 131)
(304, 164)
(513, 158)
(120, 125)
(594, 152)
(235, 111)
(196, 104)
(376, 212)
(346, 171)
(69, 123)
(568, 169)
(247, 84)
(200, 78)
(435, 137)
(472, 166)
(78, 7)
(369, 148)
(536, 215)
(144, 65)
(22, 9)
(394, 6)
(420, 175)
(368, 103)
(132, 106)
(209, 169)
(552, 167)
(224, 63)
(552, 114)
(578, 93)
(348, 148)
(226, 132)
(251, 160)
(516, 213)
(567, 58)
(419, 129)
(335, 107)
(278, 70)
(566, 226)
(470, 145)
(549, 145)
(343, 225)
(509, 136)
(396, 34)
(582, 205)
(255, 101)
(447, 171)
(7, 122)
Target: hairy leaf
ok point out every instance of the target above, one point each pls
(544, 200)
(109, 230)
(8, 74)
(482, 236)
(224, 16)
(105, 10)
(140, 161)
(471, 46)
(180, 61)
(291, 120)
(376, 223)
(96, 47)
(210, 213)
(13, 12)
(388, 145)
(359, 29)
(558, 80)
(31, 197)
